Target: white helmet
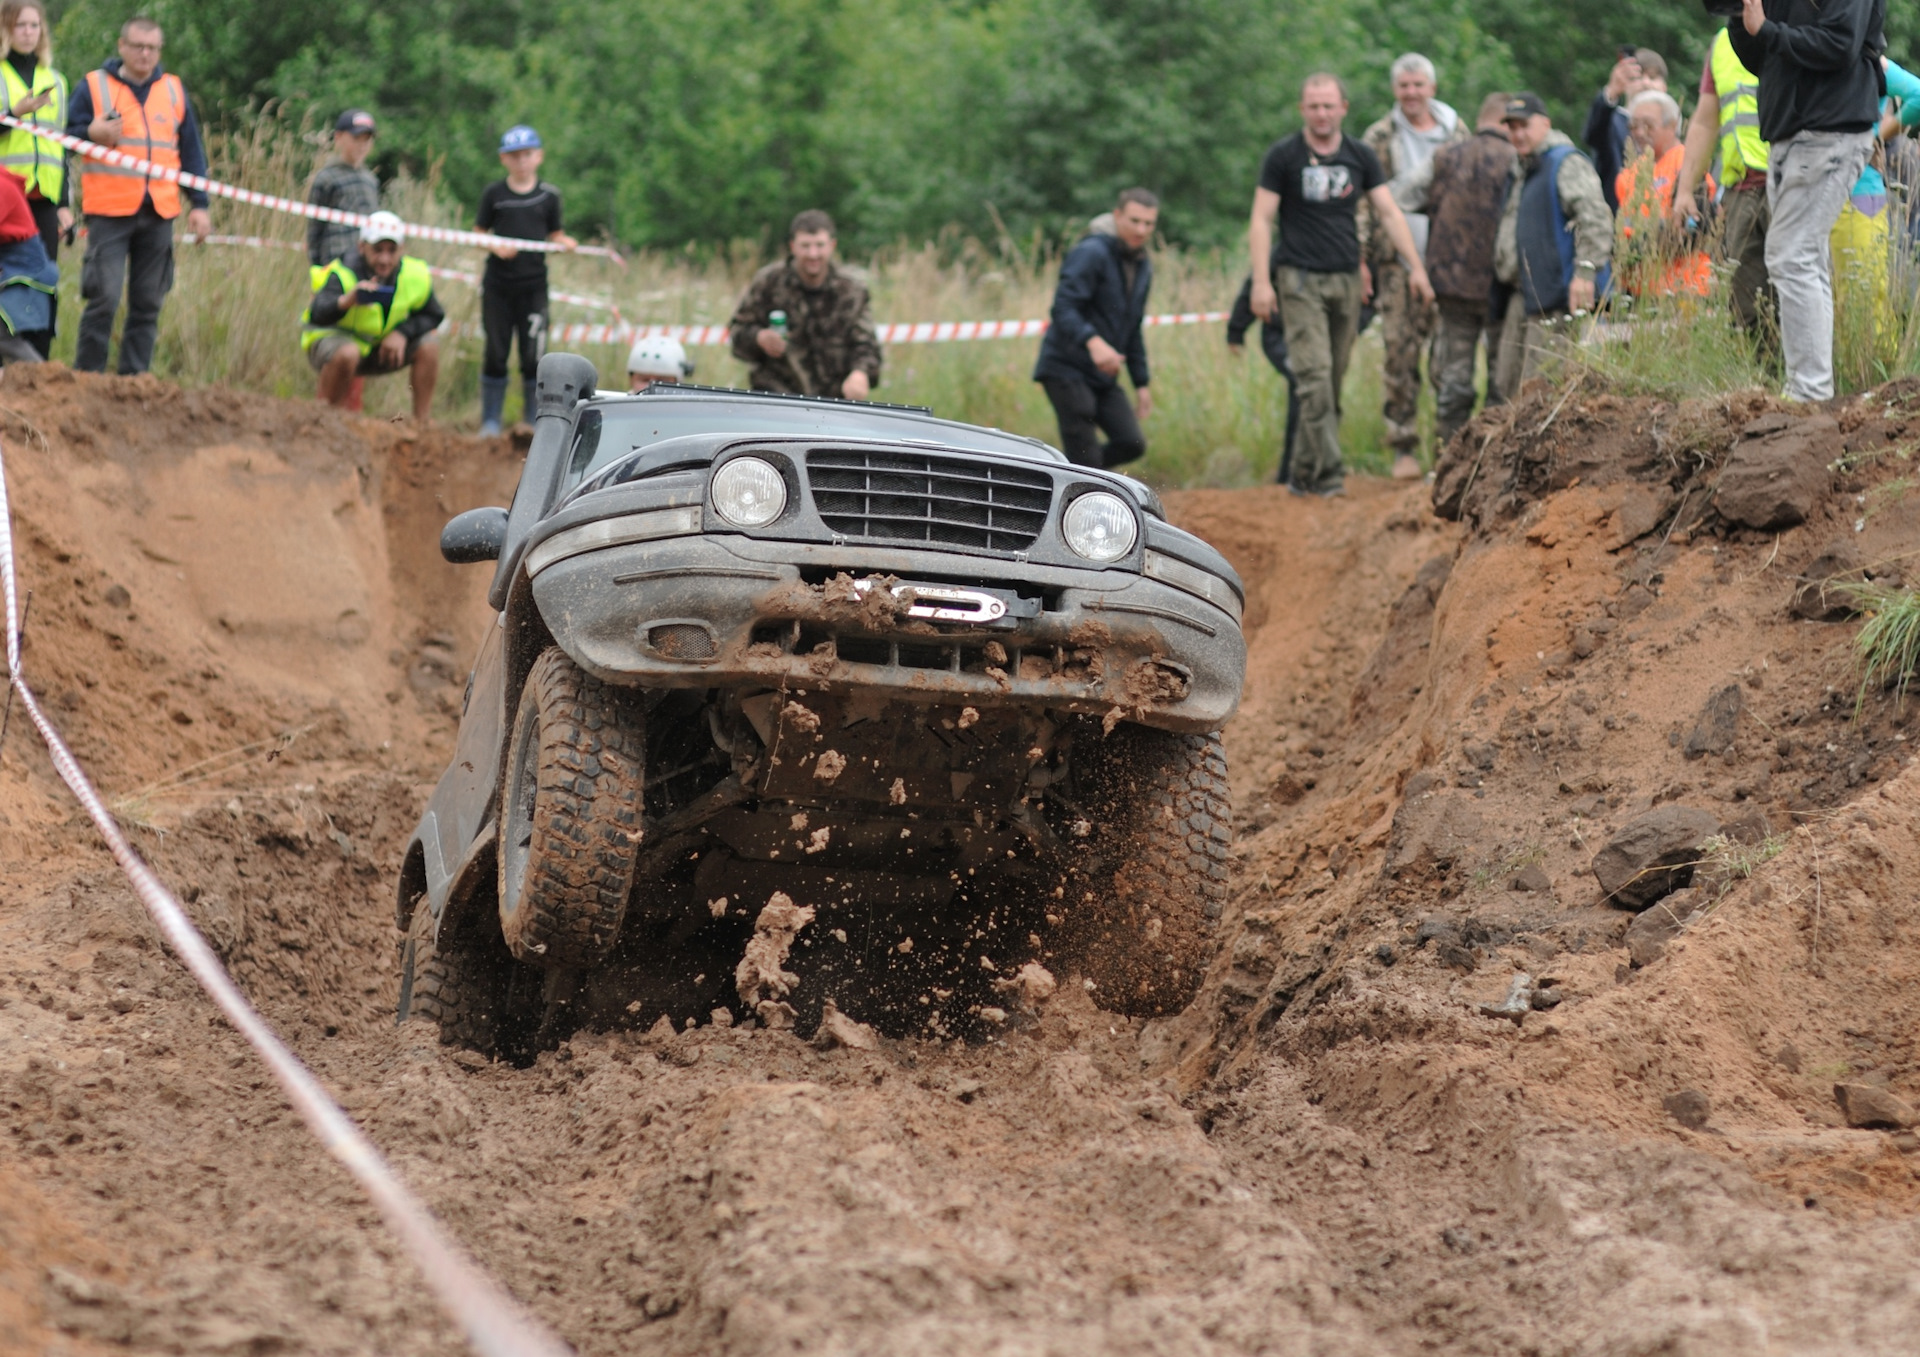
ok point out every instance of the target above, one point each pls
(658, 357)
(383, 226)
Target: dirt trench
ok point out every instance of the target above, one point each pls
(240, 619)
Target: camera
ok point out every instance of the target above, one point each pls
(1726, 9)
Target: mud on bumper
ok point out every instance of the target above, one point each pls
(715, 612)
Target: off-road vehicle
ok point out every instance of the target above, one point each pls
(953, 692)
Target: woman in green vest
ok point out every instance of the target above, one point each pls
(36, 93)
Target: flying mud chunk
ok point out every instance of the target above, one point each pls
(761, 978)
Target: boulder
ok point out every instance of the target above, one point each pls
(1865, 1106)
(1652, 856)
(1774, 481)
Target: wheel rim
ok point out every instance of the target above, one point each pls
(516, 830)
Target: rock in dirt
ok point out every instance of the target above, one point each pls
(1719, 722)
(1653, 856)
(1690, 1107)
(1815, 597)
(1517, 1003)
(761, 977)
(1430, 833)
(1533, 877)
(1870, 1108)
(837, 1030)
(1774, 481)
(1651, 931)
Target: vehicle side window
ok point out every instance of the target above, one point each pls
(586, 442)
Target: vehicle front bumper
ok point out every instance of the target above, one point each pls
(721, 611)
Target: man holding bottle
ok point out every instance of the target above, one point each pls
(805, 325)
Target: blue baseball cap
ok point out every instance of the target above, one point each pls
(519, 138)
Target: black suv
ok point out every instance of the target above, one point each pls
(929, 681)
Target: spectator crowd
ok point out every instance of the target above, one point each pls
(1472, 244)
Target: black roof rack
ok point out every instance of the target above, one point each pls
(694, 389)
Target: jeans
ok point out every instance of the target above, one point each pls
(1809, 176)
(1084, 412)
(136, 251)
(46, 216)
(1322, 314)
(510, 311)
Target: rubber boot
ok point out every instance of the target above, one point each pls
(529, 394)
(493, 399)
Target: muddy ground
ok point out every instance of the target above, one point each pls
(240, 619)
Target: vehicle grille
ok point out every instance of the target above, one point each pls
(942, 501)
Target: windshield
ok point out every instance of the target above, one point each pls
(608, 432)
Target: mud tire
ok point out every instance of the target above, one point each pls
(1147, 839)
(570, 816)
(467, 986)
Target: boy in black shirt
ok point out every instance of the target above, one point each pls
(1313, 182)
(513, 292)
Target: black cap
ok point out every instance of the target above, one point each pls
(355, 120)
(1523, 106)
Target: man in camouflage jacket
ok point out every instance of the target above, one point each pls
(829, 347)
(1463, 191)
(1404, 141)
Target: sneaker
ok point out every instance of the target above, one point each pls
(1406, 467)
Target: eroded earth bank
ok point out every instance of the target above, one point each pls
(1442, 1090)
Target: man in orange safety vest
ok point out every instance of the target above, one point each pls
(134, 106)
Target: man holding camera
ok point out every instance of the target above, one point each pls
(1820, 88)
(373, 313)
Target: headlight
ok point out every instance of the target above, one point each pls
(1099, 527)
(749, 493)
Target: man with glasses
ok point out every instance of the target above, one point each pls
(132, 105)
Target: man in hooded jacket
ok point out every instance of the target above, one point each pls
(1404, 142)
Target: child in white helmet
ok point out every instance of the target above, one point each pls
(657, 359)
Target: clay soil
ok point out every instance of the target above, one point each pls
(240, 619)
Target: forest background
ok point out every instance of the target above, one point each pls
(671, 123)
(961, 145)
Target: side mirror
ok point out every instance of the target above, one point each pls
(476, 535)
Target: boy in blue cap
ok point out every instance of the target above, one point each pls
(513, 293)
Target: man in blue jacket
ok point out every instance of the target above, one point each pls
(1095, 331)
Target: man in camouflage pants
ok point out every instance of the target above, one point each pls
(1404, 141)
(826, 344)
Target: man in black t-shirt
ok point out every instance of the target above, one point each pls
(1313, 182)
(513, 292)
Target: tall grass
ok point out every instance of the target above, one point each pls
(1684, 345)
(233, 319)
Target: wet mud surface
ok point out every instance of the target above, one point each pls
(240, 619)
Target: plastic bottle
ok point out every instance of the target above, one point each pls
(777, 322)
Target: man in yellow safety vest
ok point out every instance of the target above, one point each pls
(134, 106)
(1729, 114)
(35, 93)
(374, 313)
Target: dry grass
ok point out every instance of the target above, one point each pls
(233, 319)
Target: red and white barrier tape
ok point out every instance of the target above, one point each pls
(122, 160)
(455, 275)
(911, 332)
(495, 1324)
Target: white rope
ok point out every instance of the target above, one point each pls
(495, 1324)
(93, 150)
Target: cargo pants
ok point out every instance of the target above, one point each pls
(1321, 314)
(1406, 328)
(1456, 345)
